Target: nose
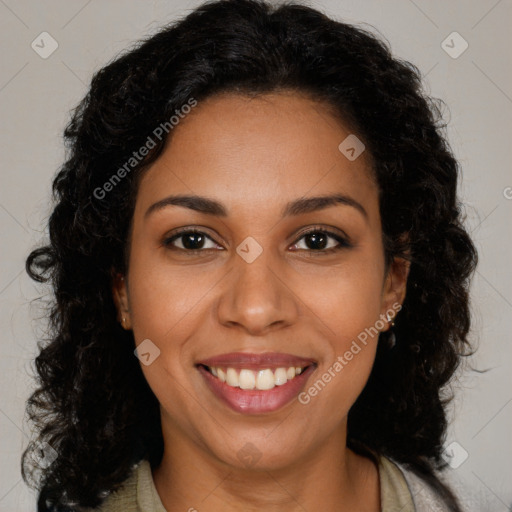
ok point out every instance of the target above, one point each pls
(257, 298)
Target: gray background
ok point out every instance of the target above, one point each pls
(36, 95)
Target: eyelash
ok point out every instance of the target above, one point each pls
(343, 242)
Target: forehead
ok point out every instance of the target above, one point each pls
(258, 153)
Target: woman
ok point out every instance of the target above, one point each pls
(260, 205)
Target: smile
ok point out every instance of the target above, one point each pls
(256, 383)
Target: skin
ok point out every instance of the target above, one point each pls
(254, 156)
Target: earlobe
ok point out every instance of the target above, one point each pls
(121, 301)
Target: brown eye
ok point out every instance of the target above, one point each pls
(322, 241)
(190, 240)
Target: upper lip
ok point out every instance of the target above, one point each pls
(256, 361)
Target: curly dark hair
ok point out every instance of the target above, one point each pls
(93, 404)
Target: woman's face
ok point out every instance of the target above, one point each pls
(275, 277)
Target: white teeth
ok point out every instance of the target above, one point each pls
(265, 380)
(259, 379)
(280, 376)
(246, 379)
(232, 377)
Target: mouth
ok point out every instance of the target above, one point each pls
(256, 383)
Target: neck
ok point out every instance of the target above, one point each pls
(189, 478)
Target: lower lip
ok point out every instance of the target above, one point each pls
(255, 401)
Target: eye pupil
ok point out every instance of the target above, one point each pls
(316, 240)
(193, 241)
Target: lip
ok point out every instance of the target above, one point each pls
(250, 361)
(256, 401)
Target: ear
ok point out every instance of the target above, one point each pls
(393, 291)
(121, 300)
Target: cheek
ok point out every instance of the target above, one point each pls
(163, 309)
(347, 298)
(168, 306)
(163, 297)
(348, 303)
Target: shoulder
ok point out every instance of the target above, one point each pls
(426, 499)
(395, 494)
(402, 488)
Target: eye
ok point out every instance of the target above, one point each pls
(314, 240)
(321, 240)
(190, 240)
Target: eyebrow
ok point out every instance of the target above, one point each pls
(300, 206)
